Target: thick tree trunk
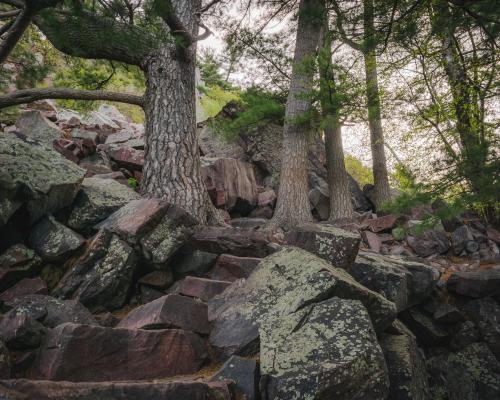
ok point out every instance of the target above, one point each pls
(293, 207)
(382, 189)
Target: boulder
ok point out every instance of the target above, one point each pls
(17, 263)
(4, 362)
(171, 311)
(88, 139)
(447, 313)
(401, 281)
(372, 240)
(380, 224)
(201, 288)
(53, 241)
(195, 263)
(20, 330)
(102, 276)
(231, 268)
(119, 137)
(81, 353)
(36, 176)
(406, 366)
(463, 240)
(231, 184)
(428, 331)
(97, 200)
(244, 372)
(24, 287)
(125, 156)
(480, 283)
(326, 350)
(100, 121)
(337, 246)
(23, 389)
(486, 314)
(36, 126)
(70, 149)
(114, 114)
(158, 279)
(429, 243)
(235, 241)
(471, 373)
(320, 203)
(282, 284)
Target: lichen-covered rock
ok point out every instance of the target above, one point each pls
(335, 245)
(97, 200)
(282, 284)
(53, 241)
(403, 282)
(486, 314)
(17, 263)
(473, 373)
(327, 350)
(102, 276)
(36, 126)
(37, 176)
(406, 366)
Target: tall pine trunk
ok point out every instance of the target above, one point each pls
(172, 161)
(382, 191)
(292, 207)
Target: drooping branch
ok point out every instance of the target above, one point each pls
(205, 34)
(15, 32)
(340, 27)
(30, 95)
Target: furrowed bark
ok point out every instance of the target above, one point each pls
(29, 95)
(292, 207)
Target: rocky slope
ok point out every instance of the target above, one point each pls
(105, 295)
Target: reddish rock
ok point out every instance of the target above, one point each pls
(372, 240)
(24, 287)
(481, 283)
(23, 389)
(126, 157)
(16, 263)
(83, 353)
(267, 198)
(68, 148)
(493, 234)
(19, 329)
(202, 288)
(231, 268)
(171, 311)
(158, 279)
(95, 169)
(380, 224)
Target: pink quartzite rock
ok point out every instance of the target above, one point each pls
(202, 288)
(26, 286)
(231, 268)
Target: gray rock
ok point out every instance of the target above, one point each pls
(403, 282)
(447, 313)
(428, 331)
(34, 125)
(195, 263)
(282, 284)
(429, 243)
(486, 314)
(37, 176)
(327, 350)
(463, 240)
(335, 245)
(53, 241)
(16, 263)
(97, 200)
(101, 277)
(480, 283)
(4, 362)
(20, 330)
(244, 373)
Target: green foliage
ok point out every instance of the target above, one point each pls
(361, 173)
(215, 98)
(132, 182)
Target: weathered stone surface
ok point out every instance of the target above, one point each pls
(101, 121)
(4, 362)
(102, 276)
(119, 137)
(230, 183)
(90, 353)
(403, 282)
(427, 331)
(201, 288)
(480, 283)
(486, 314)
(23, 389)
(235, 241)
(463, 240)
(158, 279)
(126, 157)
(97, 200)
(429, 243)
(16, 263)
(19, 329)
(380, 224)
(244, 372)
(447, 313)
(326, 350)
(337, 246)
(464, 335)
(372, 240)
(171, 311)
(89, 139)
(282, 284)
(53, 241)
(195, 263)
(70, 149)
(24, 287)
(231, 268)
(406, 366)
(37, 176)
(34, 125)
(472, 373)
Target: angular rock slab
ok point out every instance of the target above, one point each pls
(201, 288)
(231, 268)
(282, 284)
(81, 353)
(17, 263)
(171, 311)
(327, 350)
(337, 246)
(244, 372)
(476, 284)
(24, 287)
(486, 314)
(23, 389)
(403, 282)
(36, 126)
(37, 176)
(53, 241)
(97, 200)
(102, 276)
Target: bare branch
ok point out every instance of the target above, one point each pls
(29, 95)
(167, 12)
(15, 32)
(205, 34)
(208, 6)
(9, 14)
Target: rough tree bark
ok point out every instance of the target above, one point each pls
(292, 207)
(382, 190)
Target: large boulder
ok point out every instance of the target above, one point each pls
(335, 245)
(35, 176)
(429, 243)
(327, 350)
(97, 200)
(17, 263)
(20, 330)
(282, 284)
(401, 281)
(82, 353)
(36, 126)
(101, 277)
(480, 283)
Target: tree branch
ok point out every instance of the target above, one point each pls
(341, 30)
(167, 12)
(9, 14)
(15, 32)
(208, 6)
(29, 95)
